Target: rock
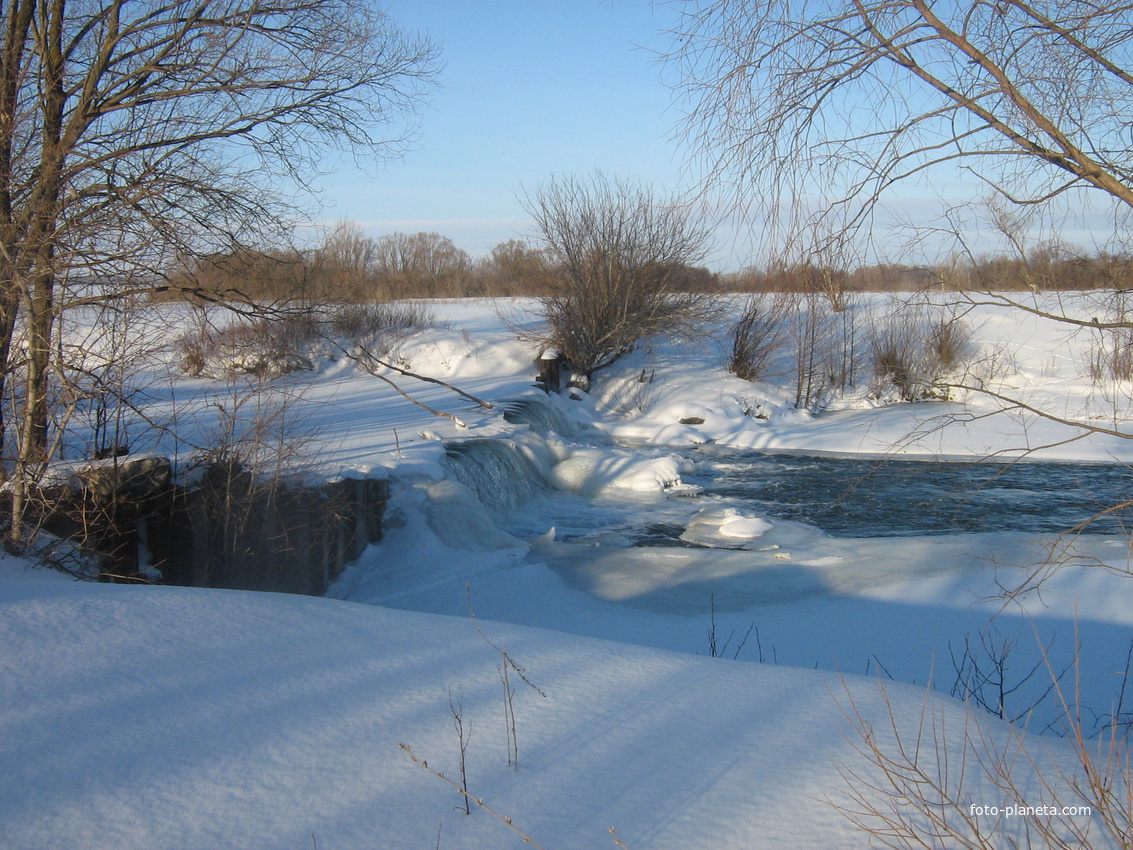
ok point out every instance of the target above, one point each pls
(128, 480)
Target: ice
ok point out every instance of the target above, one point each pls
(600, 472)
(459, 520)
(726, 528)
(502, 473)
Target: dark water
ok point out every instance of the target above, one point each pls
(871, 498)
(846, 497)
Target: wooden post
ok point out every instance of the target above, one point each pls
(550, 370)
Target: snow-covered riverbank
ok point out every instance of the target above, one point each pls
(166, 717)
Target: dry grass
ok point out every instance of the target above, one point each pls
(983, 784)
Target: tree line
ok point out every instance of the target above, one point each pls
(1045, 269)
(347, 266)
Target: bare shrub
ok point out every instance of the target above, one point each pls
(915, 347)
(506, 668)
(456, 709)
(996, 364)
(388, 321)
(467, 795)
(758, 336)
(826, 347)
(833, 284)
(265, 346)
(255, 455)
(258, 430)
(631, 395)
(919, 789)
(193, 350)
(986, 676)
(845, 344)
(950, 342)
(1111, 351)
(105, 378)
(616, 249)
(1111, 356)
(808, 337)
(896, 359)
(288, 340)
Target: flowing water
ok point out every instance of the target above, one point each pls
(853, 497)
(846, 497)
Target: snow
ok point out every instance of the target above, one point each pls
(726, 528)
(190, 718)
(593, 472)
(145, 717)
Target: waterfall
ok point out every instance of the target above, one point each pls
(541, 416)
(502, 473)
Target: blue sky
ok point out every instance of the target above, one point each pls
(535, 88)
(529, 89)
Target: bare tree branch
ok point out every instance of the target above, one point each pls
(813, 111)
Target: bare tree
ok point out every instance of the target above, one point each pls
(344, 264)
(819, 108)
(615, 247)
(513, 268)
(134, 131)
(419, 265)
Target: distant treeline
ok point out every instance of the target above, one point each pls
(351, 267)
(1045, 270)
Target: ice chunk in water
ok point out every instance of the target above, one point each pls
(727, 528)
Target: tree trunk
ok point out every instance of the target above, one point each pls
(39, 296)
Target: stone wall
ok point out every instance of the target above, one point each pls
(228, 530)
(293, 540)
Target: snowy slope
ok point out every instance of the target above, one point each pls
(181, 718)
(162, 717)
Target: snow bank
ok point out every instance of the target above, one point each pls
(162, 717)
(691, 399)
(594, 472)
(165, 717)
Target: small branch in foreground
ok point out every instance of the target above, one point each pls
(507, 663)
(479, 801)
(371, 362)
(421, 404)
(368, 360)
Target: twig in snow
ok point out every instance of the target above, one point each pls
(479, 801)
(506, 667)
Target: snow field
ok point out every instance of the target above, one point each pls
(184, 718)
(167, 717)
